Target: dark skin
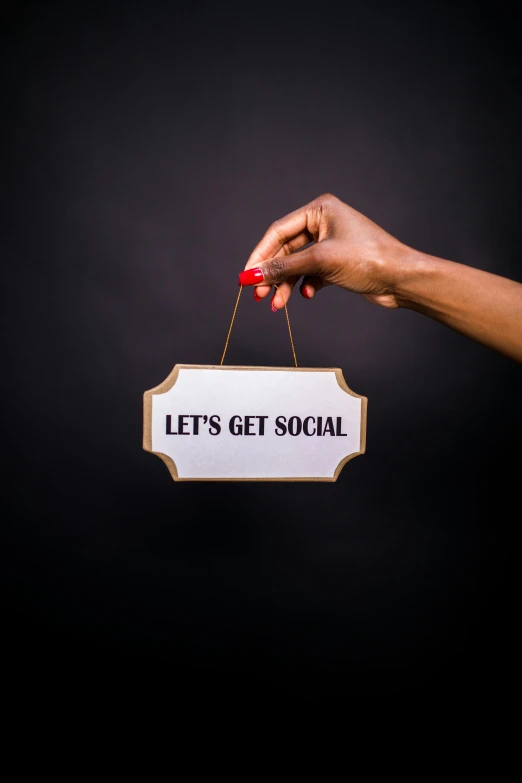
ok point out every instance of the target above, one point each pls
(351, 251)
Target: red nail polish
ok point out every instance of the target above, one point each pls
(251, 277)
(256, 297)
(274, 309)
(305, 293)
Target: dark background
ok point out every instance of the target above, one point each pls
(148, 147)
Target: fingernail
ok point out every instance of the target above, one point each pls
(274, 309)
(251, 277)
(306, 293)
(256, 297)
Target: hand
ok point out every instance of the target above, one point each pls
(348, 250)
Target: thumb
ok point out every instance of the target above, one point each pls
(277, 270)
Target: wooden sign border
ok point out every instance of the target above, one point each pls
(170, 380)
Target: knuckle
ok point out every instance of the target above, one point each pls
(277, 268)
(328, 198)
(289, 247)
(321, 209)
(277, 230)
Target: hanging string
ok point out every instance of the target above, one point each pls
(288, 322)
(231, 325)
(234, 315)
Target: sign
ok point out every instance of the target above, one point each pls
(215, 423)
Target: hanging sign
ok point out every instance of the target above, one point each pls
(224, 423)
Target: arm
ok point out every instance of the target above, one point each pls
(485, 307)
(350, 251)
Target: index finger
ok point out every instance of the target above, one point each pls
(289, 233)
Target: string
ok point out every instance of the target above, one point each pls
(231, 325)
(288, 322)
(234, 315)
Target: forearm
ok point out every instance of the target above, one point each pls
(485, 307)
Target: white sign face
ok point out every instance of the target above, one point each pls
(210, 423)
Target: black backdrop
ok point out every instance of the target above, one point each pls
(148, 148)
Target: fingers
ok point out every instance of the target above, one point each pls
(284, 289)
(263, 290)
(308, 288)
(283, 271)
(311, 285)
(282, 293)
(281, 257)
(287, 234)
(283, 248)
(279, 269)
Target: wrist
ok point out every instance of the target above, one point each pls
(412, 278)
